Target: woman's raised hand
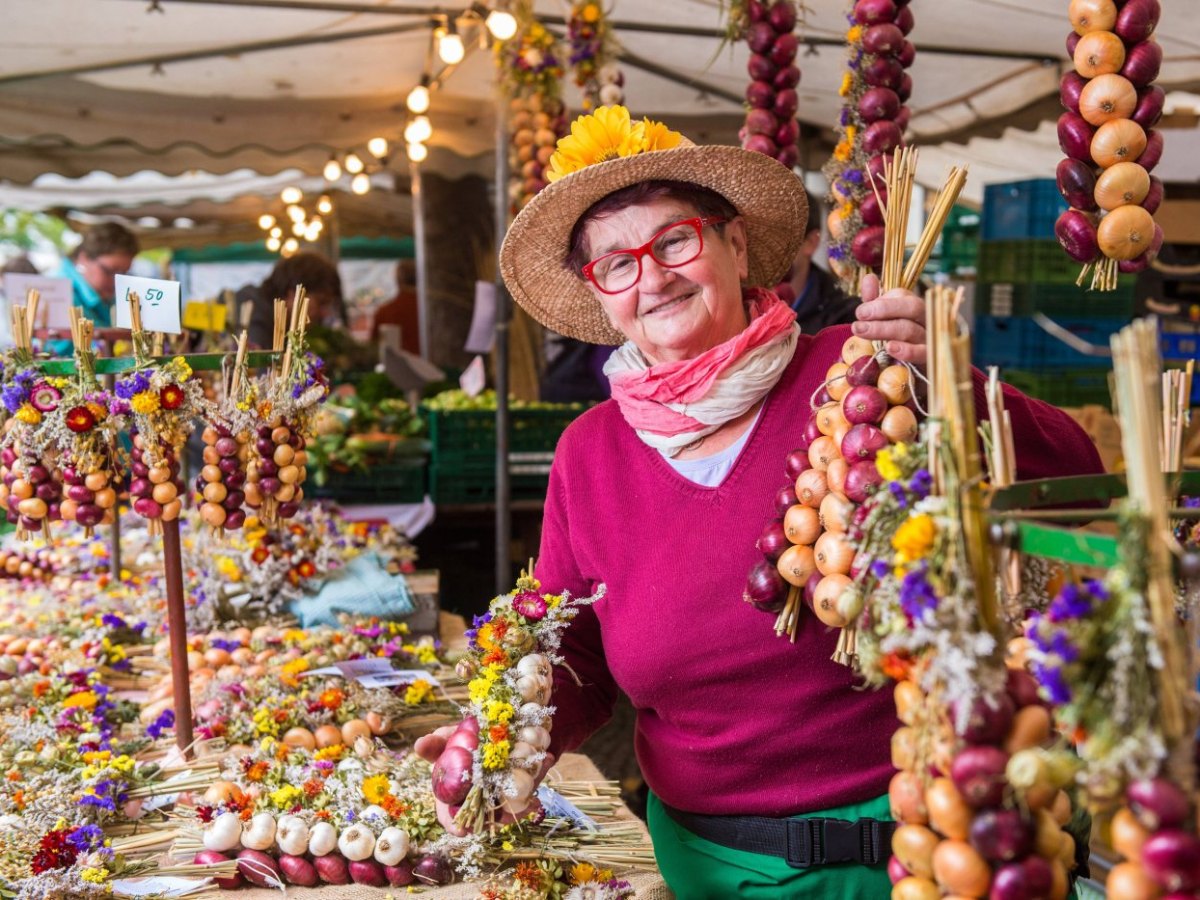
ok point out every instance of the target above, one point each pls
(897, 318)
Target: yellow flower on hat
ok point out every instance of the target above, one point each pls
(659, 136)
(606, 134)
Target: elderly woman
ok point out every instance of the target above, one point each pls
(768, 765)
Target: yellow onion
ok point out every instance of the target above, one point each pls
(1127, 834)
(1121, 140)
(913, 845)
(796, 564)
(1099, 53)
(1126, 232)
(1107, 97)
(1122, 184)
(959, 869)
(1092, 15)
(949, 814)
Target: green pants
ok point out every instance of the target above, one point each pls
(696, 869)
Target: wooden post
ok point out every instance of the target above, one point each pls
(177, 625)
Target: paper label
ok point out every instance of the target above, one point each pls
(373, 672)
(159, 304)
(560, 807)
(474, 378)
(54, 298)
(159, 886)
(482, 334)
(400, 676)
(202, 316)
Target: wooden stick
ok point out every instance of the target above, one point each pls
(942, 207)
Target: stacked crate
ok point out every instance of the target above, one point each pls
(1023, 271)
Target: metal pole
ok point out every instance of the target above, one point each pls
(422, 259)
(503, 317)
(177, 636)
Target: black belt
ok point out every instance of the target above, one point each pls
(803, 842)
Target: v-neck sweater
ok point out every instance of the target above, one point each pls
(730, 718)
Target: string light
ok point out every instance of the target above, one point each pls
(313, 231)
(502, 24)
(290, 246)
(378, 147)
(419, 130)
(324, 205)
(360, 183)
(291, 195)
(333, 169)
(273, 244)
(418, 97)
(354, 165)
(276, 232)
(266, 221)
(298, 228)
(449, 44)
(417, 152)
(295, 213)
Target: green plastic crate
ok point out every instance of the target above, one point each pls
(475, 482)
(1017, 299)
(1025, 262)
(395, 481)
(469, 436)
(1063, 387)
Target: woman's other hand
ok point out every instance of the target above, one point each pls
(897, 318)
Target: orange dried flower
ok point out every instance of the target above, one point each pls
(257, 771)
(529, 875)
(394, 807)
(498, 733)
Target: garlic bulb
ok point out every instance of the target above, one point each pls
(534, 711)
(521, 754)
(516, 801)
(538, 737)
(535, 664)
(322, 839)
(391, 846)
(223, 833)
(259, 833)
(291, 834)
(374, 811)
(534, 689)
(356, 842)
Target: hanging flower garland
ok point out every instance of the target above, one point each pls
(531, 72)
(875, 87)
(593, 56)
(769, 28)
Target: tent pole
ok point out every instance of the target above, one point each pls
(422, 257)
(503, 317)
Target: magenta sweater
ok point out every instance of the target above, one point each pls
(730, 718)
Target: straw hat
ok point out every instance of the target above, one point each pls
(768, 195)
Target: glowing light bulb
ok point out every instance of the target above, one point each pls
(295, 213)
(417, 152)
(360, 183)
(418, 99)
(273, 244)
(333, 170)
(298, 228)
(290, 246)
(265, 221)
(502, 24)
(377, 147)
(312, 232)
(450, 46)
(291, 195)
(324, 205)
(353, 164)
(276, 232)
(418, 131)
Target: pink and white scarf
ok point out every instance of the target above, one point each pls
(672, 405)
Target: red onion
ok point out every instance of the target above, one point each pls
(1002, 835)
(760, 121)
(368, 872)
(870, 210)
(760, 37)
(782, 16)
(810, 588)
(988, 722)
(773, 540)
(1142, 63)
(212, 857)
(298, 870)
(1072, 42)
(796, 462)
(765, 588)
(401, 875)
(902, 117)
(760, 143)
(1149, 106)
(785, 499)
(908, 54)
(1077, 235)
(757, 10)
(761, 68)
(878, 103)
(867, 247)
(875, 167)
(873, 12)
(332, 868)
(1157, 803)
(1069, 90)
(904, 88)
(823, 397)
(863, 371)
(784, 49)
(787, 101)
(862, 480)
(883, 39)
(760, 95)
(864, 405)
(786, 77)
(864, 441)
(1154, 149)
(452, 775)
(1172, 858)
(978, 773)
(1022, 688)
(896, 870)
(1137, 20)
(904, 20)
(789, 131)
(788, 156)
(1077, 184)
(1030, 879)
(884, 71)
(811, 432)
(433, 869)
(1075, 136)
(258, 868)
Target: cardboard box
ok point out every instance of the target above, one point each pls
(1104, 430)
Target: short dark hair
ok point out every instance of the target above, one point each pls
(705, 201)
(314, 271)
(108, 237)
(816, 212)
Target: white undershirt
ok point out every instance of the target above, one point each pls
(710, 471)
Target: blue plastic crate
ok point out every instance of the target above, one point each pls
(1020, 342)
(1021, 210)
(1180, 345)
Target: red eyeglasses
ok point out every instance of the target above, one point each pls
(676, 245)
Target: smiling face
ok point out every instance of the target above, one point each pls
(679, 313)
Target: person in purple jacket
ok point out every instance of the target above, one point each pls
(768, 765)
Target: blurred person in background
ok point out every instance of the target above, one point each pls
(19, 265)
(322, 285)
(811, 292)
(402, 309)
(107, 251)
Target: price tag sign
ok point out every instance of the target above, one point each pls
(54, 298)
(474, 378)
(159, 304)
(201, 316)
